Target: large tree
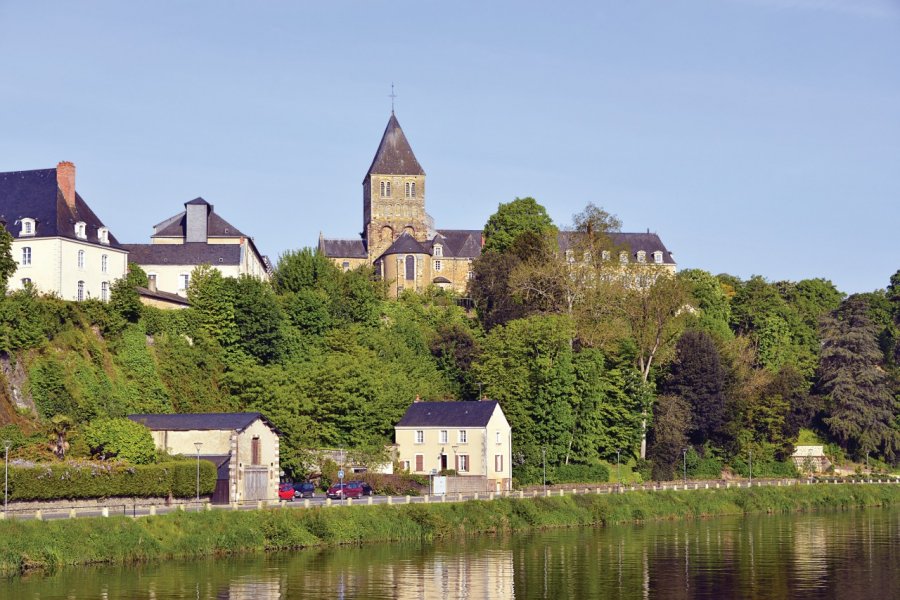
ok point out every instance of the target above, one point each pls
(669, 435)
(854, 384)
(511, 220)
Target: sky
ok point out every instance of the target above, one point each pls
(757, 137)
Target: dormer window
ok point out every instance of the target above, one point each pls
(605, 255)
(385, 189)
(570, 256)
(410, 189)
(103, 235)
(641, 256)
(657, 257)
(623, 257)
(81, 230)
(587, 256)
(27, 227)
(438, 250)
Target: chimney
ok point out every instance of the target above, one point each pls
(65, 179)
(417, 399)
(151, 283)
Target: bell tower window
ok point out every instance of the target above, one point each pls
(410, 189)
(385, 189)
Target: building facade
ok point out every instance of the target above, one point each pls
(472, 438)
(194, 237)
(244, 447)
(60, 245)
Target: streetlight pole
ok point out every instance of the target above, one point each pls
(197, 446)
(6, 445)
(544, 461)
(751, 468)
(684, 456)
(618, 472)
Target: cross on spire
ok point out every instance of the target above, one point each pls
(392, 96)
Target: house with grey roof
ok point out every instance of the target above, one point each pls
(59, 244)
(472, 438)
(243, 446)
(196, 236)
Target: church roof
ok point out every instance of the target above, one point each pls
(174, 226)
(394, 155)
(343, 248)
(35, 194)
(459, 243)
(406, 244)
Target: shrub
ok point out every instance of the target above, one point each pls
(580, 474)
(121, 438)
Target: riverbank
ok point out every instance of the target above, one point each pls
(35, 545)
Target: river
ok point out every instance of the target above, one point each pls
(851, 555)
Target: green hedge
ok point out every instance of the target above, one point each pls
(68, 481)
(580, 474)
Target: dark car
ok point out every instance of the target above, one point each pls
(304, 490)
(286, 491)
(351, 489)
(366, 488)
(338, 491)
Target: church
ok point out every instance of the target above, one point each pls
(399, 238)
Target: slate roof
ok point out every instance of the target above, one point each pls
(449, 414)
(406, 244)
(200, 421)
(343, 248)
(634, 242)
(394, 155)
(460, 243)
(216, 226)
(190, 253)
(35, 194)
(164, 296)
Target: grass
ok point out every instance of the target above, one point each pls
(50, 545)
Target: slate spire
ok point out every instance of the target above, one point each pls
(394, 155)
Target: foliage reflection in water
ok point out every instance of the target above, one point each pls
(851, 555)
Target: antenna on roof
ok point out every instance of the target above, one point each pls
(392, 96)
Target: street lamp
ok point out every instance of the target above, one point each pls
(684, 456)
(6, 445)
(618, 472)
(751, 467)
(544, 461)
(197, 446)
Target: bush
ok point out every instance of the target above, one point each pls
(69, 481)
(121, 438)
(579, 474)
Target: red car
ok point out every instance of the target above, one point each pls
(352, 489)
(286, 491)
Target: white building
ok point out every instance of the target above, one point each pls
(60, 245)
(191, 238)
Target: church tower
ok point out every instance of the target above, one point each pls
(393, 193)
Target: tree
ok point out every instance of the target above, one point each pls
(258, 318)
(124, 299)
(211, 299)
(698, 377)
(512, 220)
(669, 435)
(855, 387)
(58, 432)
(304, 269)
(8, 266)
(120, 438)
(710, 300)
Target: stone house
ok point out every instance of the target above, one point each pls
(193, 237)
(810, 459)
(60, 245)
(243, 446)
(472, 438)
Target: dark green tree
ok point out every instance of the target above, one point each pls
(511, 220)
(258, 318)
(668, 435)
(8, 266)
(120, 438)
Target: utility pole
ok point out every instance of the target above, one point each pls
(197, 445)
(6, 444)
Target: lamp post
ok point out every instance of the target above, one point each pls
(751, 467)
(544, 461)
(197, 446)
(684, 456)
(6, 445)
(618, 473)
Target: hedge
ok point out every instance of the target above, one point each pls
(68, 481)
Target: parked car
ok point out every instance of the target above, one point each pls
(286, 491)
(366, 488)
(304, 490)
(351, 489)
(337, 491)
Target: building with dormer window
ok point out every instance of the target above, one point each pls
(60, 245)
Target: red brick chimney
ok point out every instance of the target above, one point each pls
(65, 179)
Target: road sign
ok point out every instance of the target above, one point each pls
(341, 474)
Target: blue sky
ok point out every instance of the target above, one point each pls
(755, 136)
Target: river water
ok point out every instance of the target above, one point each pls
(850, 555)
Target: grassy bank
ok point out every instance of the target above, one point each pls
(28, 545)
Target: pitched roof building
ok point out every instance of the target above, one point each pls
(193, 237)
(399, 238)
(61, 246)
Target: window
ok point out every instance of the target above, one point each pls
(410, 189)
(604, 255)
(641, 256)
(471, 275)
(420, 436)
(437, 265)
(345, 265)
(462, 438)
(443, 436)
(184, 279)
(623, 257)
(255, 451)
(462, 463)
(498, 463)
(27, 227)
(80, 294)
(81, 259)
(438, 250)
(104, 291)
(26, 281)
(570, 256)
(81, 230)
(26, 256)
(657, 257)
(104, 260)
(151, 281)
(498, 438)
(103, 235)
(410, 268)
(405, 465)
(386, 189)
(420, 462)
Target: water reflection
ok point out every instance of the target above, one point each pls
(850, 555)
